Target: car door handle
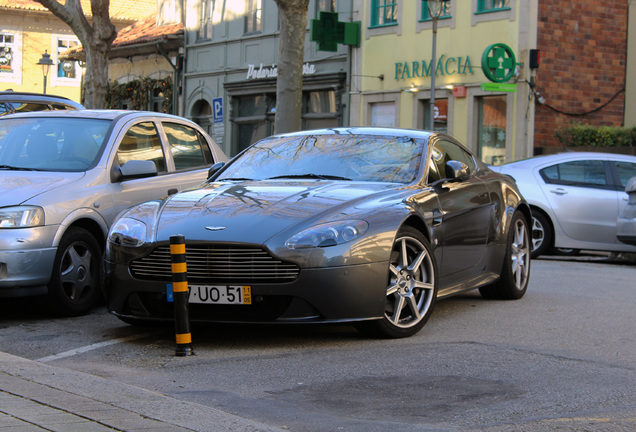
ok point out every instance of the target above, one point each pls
(558, 191)
(172, 191)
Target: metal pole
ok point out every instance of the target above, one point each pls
(180, 293)
(431, 114)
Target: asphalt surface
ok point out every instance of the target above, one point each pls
(36, 396)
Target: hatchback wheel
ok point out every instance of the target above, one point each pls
(74, 288)
(411, 288)
(541, 234)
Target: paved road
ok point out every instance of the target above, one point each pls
(562, 358)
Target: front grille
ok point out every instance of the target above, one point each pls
(217, 264)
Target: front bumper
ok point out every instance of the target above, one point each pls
(332, 294)
(26, 260)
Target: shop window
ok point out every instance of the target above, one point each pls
(7, 54)
(320, 110)
(254, 120)
(492, 5)
(383, 114)
(253, 17)
(384, 12)
(446, 13)
(440, 115)
(492, 129)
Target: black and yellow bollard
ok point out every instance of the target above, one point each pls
(180, 293)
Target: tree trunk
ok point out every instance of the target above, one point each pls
(293, 27)
(96, 38)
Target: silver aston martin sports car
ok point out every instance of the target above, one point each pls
(361, 225)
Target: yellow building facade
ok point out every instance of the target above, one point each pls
(28, 30)
(391, 72)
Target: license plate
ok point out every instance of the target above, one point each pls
(235, 294)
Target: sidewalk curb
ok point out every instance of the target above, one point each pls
(111, 403)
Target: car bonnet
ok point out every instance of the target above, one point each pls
(253, 212)
(18, 187)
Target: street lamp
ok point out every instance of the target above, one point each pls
(435, 9)
(46, 63)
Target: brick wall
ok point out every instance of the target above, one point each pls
(583, 47)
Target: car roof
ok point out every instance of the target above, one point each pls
(25, 97)
(363, 130)
(104, 114)
(567, 156)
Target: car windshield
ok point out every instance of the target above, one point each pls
(392, 159)
(50, 144)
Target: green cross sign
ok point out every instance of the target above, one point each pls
(498, 62)
(328, 32)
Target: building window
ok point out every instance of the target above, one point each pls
(256, 114)
(492, 5)
(326, 5)
(383, 114)
(67, 68)
(440, 115)
(254, 119)
(6, 53)
(320, 110)
(446, 13)
(168, 13)
(253, 16)
(492, 129)
(384, 13)
(205, 25)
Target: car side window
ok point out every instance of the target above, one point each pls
(141, 142)
(577, 173)
(189, 149)
(444, 151)
(626, 170)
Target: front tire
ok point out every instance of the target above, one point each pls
(411, 288)
(515, 273)
(74, 288)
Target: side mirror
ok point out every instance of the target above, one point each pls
(137, 169)
(215, 168)
(456, 169)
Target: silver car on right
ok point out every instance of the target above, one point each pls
(576, 198)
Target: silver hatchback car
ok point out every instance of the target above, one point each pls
(576, 198)
(66, 175)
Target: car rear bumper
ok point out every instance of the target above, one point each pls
(335, 294)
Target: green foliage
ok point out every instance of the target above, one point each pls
(579, 135)
(139, 93)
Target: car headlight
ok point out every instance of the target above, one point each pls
(136, 226)
(327, 234)
(21, 217)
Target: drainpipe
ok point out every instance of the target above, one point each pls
(175, 84)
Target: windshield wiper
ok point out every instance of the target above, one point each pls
(234, 179)
(311, 176)
(15, 168)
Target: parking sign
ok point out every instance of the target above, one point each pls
(217, 108)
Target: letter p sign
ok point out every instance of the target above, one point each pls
(217, 109)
